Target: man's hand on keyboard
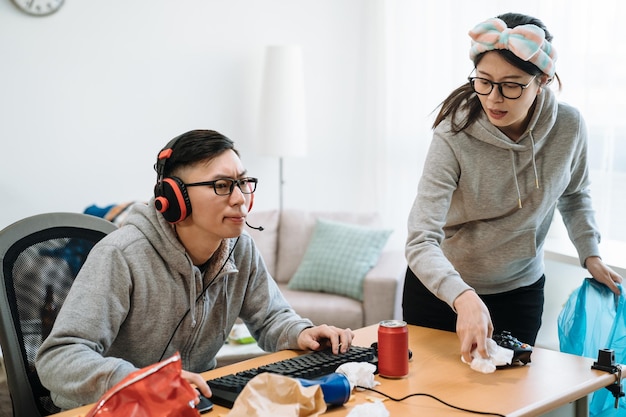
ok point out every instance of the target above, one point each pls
(198, 381)
(324, 337)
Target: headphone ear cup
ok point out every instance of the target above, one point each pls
(172, 200)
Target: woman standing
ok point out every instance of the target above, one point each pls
(505, 153)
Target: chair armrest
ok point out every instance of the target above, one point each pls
(382, 288)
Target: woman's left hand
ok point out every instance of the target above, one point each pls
(603, 274)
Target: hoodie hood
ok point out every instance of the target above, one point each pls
(541, 123)
(162, 236)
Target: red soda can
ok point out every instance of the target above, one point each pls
(393, 349)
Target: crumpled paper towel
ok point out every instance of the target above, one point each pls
(359, 373)
(498, 356)
(270, 394)
(375, 409)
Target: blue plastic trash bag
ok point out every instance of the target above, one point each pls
(594, 318)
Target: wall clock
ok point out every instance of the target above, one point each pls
(38, 7)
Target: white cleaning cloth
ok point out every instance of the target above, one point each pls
(498, 356)
(359, 373)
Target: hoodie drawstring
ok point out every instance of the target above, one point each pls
(519, 194)
(532, 141)
(192, 297)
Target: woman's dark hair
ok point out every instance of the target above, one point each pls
(464, 97)
(195, 146)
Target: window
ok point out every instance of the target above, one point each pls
(429, 41)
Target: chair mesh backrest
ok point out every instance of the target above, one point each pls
(50, 257)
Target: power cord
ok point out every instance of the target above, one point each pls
(420, 394)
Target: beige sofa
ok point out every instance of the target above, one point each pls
(283, 243)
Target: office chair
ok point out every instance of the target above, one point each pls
(38, 252)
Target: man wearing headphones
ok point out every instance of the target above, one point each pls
(174, 278)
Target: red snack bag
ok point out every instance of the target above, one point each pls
(154, 391)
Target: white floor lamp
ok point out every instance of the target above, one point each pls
(282, 112)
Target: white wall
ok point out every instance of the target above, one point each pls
(88, 97)
(561, 280)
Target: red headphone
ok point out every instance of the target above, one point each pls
(170, 194)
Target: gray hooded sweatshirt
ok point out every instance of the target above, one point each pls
(485, 203)
(135, 287)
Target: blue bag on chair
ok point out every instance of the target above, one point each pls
(594, 318)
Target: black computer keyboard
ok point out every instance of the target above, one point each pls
(312, 365)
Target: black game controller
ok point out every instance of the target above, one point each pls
(521, 351)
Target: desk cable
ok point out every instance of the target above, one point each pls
(416, 394)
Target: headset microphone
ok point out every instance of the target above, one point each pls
(260, 228)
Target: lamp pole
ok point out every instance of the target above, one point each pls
(281, 183)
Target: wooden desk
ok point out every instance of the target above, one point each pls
(551, 380)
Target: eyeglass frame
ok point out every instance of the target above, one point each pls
(249, 180)
(499, 84)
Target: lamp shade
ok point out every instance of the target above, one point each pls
(282, 112)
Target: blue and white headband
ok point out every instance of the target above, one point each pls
(527, 42)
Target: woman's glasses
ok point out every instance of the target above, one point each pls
(507, 89)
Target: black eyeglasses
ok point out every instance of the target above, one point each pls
(225, 186)
(507, 89)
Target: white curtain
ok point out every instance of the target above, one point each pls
(419, 53)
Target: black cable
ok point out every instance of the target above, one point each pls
(197, 299)
(487, 413)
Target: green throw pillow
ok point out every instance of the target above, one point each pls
(338, 257)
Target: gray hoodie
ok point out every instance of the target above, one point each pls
(135, 287)
(485, 203)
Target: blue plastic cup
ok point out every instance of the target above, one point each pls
(335, 387)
